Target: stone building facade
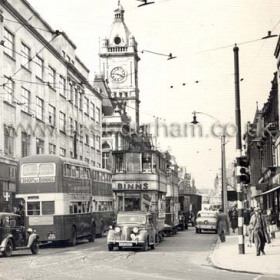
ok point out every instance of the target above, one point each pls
(47, 105)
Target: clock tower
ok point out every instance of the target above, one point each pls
(119, 66)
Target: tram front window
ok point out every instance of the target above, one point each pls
(132, 202)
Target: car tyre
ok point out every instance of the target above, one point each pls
(110, 247)
(196, 230)
(93, 233)
(73, 239)
(35, 247)
(8, 249)
(146, 245)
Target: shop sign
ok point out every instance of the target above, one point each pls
(33, 180)
(135, 186)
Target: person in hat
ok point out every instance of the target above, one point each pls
(222, 225)
(260, 235)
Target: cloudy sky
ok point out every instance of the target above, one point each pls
(201, 34)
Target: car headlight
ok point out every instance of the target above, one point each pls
(132, 236)
(117, 229)
(135, 230)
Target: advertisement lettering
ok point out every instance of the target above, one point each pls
(132, 186)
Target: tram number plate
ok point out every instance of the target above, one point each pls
(125, 244)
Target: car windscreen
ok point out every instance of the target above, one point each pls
(131, 219)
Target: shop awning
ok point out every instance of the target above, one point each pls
(269, 191)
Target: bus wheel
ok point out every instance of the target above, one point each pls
(8, 249)
(73, 239)
(93, 233)
(101, 230)
(110, 247)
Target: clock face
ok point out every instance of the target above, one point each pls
(118, 74)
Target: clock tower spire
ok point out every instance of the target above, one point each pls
(119, 65)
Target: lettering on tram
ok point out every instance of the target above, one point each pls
(133, 186)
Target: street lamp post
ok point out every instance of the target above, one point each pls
(223, 162)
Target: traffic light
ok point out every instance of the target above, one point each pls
(243, 162)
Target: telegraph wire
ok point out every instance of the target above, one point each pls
(29, 25)
(31, 59)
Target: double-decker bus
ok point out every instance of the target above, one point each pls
(58, 202)
(102, 199)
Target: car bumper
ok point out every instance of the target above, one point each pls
(206, 227)
(128, 243)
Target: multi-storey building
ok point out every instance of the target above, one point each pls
(262, 141)
(47, 105)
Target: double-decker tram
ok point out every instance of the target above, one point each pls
(58, 202)
(139, 184)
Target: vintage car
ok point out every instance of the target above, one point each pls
(132, 229)
(13, 236)
(206, 220)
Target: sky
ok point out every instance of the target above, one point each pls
(201, 34)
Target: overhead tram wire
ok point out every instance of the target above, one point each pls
(30, 25)
(31, 59)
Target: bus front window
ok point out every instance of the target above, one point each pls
(46, 169)
(29, 170)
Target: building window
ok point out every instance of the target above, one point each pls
(71, 126)
(52, 74)
(39, 67)
(9, 87)
(81, 101)
(52, 149)
(9, 141)
(39, 108)
(97, 143)
(86, 106)
(81, 132)
(62, 121)
(25, 56)
(97, 117)
(40, 146)
(87, 160)
(25, 144)
(62, 86)
(87, 139)
(91, 110)
(91, 140)
(62, 152)
(9, 43)
(71, 91)
(25, 99)
(52, 115)
(76, 96)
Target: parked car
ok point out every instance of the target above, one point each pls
(14, 237)
(132, 229)
(206, 220)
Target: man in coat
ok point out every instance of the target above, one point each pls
(259, 231)
(222, 225)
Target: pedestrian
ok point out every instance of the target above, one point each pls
(272, 223)
(260, 235)
(222, 225)
(234, 219)
(246, 230)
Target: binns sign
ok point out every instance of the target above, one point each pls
(135, 186)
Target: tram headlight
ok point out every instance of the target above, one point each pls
(118, 229)
(135, 230)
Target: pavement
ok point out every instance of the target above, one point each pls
(226, 256)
